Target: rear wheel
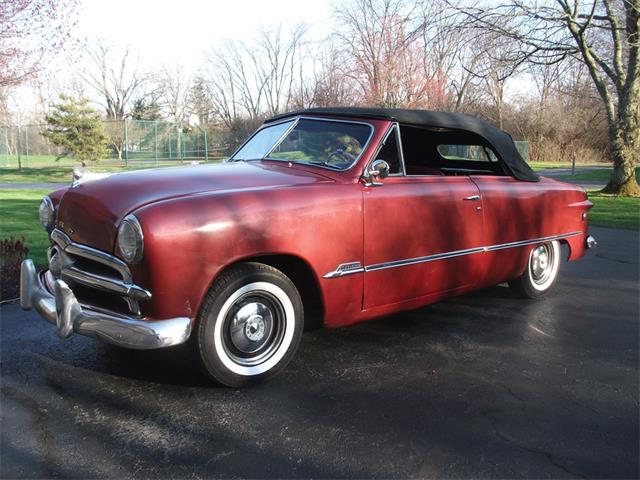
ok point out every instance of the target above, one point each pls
(250, 325)
(541, 273)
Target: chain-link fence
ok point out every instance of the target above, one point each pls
(129, 141)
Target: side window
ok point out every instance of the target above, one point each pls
(467, 153)
(491, 154)
(390, 152)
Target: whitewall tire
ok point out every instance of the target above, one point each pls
(250, 325)
(543, 266)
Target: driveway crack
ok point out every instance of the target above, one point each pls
(550, 458)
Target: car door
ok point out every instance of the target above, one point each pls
(422, 234)
(517, 214)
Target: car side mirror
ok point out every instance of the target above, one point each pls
(378, 170)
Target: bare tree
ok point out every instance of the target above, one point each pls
(494, 67)
(448, 55)
(174, 89)
(200, 102)
(256, 79)
(114, 74)
(605, 35)
(31, 31)
(383, 41)
(324, 81)
(5, 113)
(275, 60)
(563, 117)
(236, 90)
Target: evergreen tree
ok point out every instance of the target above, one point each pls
(146, 109)
(77, 128)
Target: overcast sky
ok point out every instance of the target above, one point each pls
(163, 31)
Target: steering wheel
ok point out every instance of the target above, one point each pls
(339, 152)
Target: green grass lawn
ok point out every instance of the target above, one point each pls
(63, 173)
(615, 212)
(601, 175)
(11, 161)
(19, 218)
(36, 175)
(546, 165)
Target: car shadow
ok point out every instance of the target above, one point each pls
(179, 366)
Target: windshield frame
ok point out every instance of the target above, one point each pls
(296, 120)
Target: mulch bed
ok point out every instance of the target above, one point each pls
(9, 283)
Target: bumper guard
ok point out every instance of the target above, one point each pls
(63, 310)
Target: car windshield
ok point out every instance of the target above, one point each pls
(326, 143)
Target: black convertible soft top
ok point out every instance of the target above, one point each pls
(501, 141)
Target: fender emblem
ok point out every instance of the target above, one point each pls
(345, 269)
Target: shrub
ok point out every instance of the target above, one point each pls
(12, 252)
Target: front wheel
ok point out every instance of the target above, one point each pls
(250, 325)
(541, 272)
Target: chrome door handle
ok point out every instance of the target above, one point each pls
(472, 198)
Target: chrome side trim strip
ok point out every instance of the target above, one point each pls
(470, 251)
(445, 255)
(345, 269)
(427, 258)
(530, 242)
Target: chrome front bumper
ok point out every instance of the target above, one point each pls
(590, 242)
(63, 310)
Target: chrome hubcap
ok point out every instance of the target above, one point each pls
(541, 264)
(254, 328)
(250, 327)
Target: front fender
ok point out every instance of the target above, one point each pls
(189, 240)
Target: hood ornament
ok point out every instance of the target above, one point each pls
(82, 175)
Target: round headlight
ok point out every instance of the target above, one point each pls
(130, 239)
(47, 213)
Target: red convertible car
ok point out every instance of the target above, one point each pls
(324, 216)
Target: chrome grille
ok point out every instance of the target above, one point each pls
(94, 271)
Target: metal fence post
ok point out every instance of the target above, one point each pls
(126, 143)
(206, 146)
(26, 144)
(155, 139)
(19, 150)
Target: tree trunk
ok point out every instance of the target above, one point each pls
(623, 178)
(625, 144)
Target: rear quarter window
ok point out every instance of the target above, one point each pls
(474, 153)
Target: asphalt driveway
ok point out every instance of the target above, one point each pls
(485, 385)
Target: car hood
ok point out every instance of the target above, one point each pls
(91, 212)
